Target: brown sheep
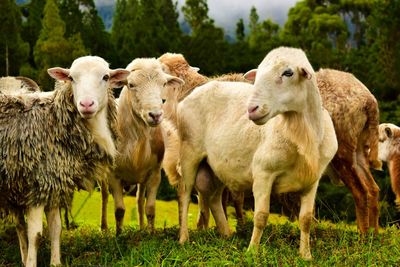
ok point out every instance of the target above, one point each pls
(355, 115)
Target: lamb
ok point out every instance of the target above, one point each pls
(288, 149)
(140, 139)
(52, 143)
(16, 85)
(355, 115)
(389, 151)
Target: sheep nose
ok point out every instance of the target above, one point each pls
(86, 103)
(252, 109)
(155, 116)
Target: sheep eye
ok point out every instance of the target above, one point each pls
(70, 78)
(288, 73)
(106, 77)
(131, 85)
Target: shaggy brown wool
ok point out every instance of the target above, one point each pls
(47, 150)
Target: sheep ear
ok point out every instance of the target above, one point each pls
(305, 73)
(59, 74)
(174, 81)
(388, 132)
(250, 75)
(118, 77)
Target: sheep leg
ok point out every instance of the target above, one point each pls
(119, 206)
(151, 195)
(104, 202)
(218, 211)
(22, 236)
(189, 166)
(362, 169)
(305, 219)
(35, 228)
(54, 223)
(262, 193)
(204, 212)
(345, 167)
(140, 198)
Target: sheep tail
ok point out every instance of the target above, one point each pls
(372, 133)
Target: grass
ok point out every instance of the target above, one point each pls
(331, 244)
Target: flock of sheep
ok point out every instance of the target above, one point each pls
(276, 129)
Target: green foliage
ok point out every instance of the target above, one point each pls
(13, 50)
(52, 48)
(331, 245)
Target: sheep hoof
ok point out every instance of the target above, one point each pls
(306, 256)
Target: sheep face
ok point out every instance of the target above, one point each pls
(280, 87)
(145, 84)
(90, 78)
(387, 134)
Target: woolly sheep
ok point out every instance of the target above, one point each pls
(140, 139)
(286, 151)
(52, 143)
(389, 152)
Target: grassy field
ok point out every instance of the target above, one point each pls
(332, 244)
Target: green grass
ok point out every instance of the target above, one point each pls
(331, 244)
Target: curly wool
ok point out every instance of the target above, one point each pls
(47, 150)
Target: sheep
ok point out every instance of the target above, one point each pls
(176, 64)
(18, 84)
(389, 152)
(52, 143)
(355, 115)
(288, 149)
(140, 139)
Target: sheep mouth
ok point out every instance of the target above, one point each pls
(259, 119)
(153, 123)
(87, 114)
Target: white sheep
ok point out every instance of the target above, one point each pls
(389, 151)
(140, 139)
(286, 151)
(52, 143)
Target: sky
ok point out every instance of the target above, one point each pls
(226, 13)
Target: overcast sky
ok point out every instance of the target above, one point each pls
(227, 12)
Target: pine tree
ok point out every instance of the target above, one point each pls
(52, 48)
(13, 51)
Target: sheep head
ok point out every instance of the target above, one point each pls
(145, 84)
(90, 78)
(282, 84)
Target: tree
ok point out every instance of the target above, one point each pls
(33, 13)
(317, 28)
(81, 16)
(240, 30)
(52, 48)
(383, 51)
(206, 47)
(13, 50)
